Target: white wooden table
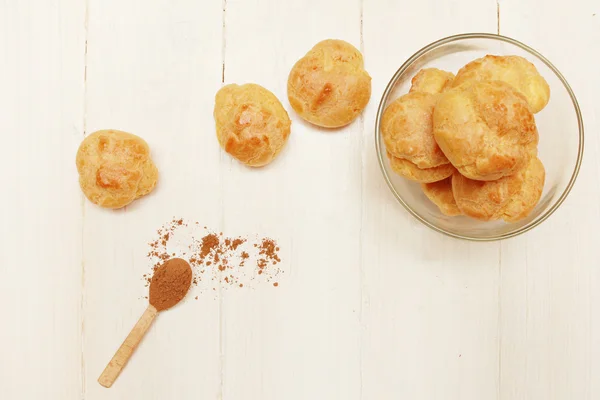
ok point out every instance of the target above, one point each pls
(372, 304)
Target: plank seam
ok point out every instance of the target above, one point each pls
(223, 42)
(498, 16)
(499, 394)
(82, 299)
(361, 276)
(221, 317)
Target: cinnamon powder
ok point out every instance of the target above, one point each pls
(209, 243)
(214, 257)
(170, 283)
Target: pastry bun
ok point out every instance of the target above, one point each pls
(440, 193)
(431, 80)
(412, 172)
(251, 123)
(329, 86)
(407, 130)
(115, 168)
(511, 198)
(514, 70)
(486, 129)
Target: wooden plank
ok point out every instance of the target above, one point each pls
(370, 304)
(41, 60)
(550, 345)
(430, 303)
(153, 70)
(301, 339)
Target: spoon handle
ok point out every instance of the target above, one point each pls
(119, 360)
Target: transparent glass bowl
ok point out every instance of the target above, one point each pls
(559, 124)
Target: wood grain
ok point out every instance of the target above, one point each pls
(41, 118)
(430, 303)
(301, 339)
(371, 304)
(549, 321)
(153, 70)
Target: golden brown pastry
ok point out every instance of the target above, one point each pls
(115, 168)
(410, 171)
(329, 86)
(514, 70)
(511, 198)
(486, 129)
(407, 130)
(440, 193)
(431, 80)
(251, 123)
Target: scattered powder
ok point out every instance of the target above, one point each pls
(209, 243)
(269, 249)
(158, 247)
(244, 257)
(215, 256)
(237, 242)
(262, 263)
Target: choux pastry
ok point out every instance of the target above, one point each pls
(431, 80)
(486, 129)
(251, 123)
(329, 86)
(115, 168)
(440, 193)
(407, 130)
(410, 171)
(514, 70)
(511, 198)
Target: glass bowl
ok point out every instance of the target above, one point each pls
(559, 124)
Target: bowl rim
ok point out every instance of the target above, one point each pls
(454, 38)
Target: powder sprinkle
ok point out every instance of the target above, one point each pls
(214, 257)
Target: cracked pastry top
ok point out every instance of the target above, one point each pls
(329, 86)
(486, 129)
(252, 125)
(514, 70)
(511, 198)
(115, 168)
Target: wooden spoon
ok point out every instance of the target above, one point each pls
(170, 283)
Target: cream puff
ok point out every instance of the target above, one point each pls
(511, 198)
(252, 125)
(431, 80)
(115, 168)
(329, 86)
(514, 70)
(412, 172)
(407, 130)
(440, 194)
(486, 129)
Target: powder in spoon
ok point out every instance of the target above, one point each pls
(170, 283)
